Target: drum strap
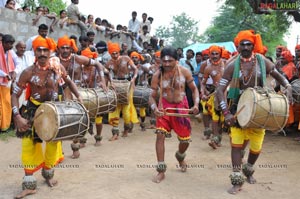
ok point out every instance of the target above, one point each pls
(234, 90)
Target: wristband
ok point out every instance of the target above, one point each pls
(226, 112)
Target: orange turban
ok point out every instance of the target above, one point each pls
(226, 54)
(88, 53)
(297, 47)
(44, 42)
(249, 35)
(135, 54)
(157, 54)
(287, 55)
(215, 48)
(66, 41)
(113, 47)
(265, 50)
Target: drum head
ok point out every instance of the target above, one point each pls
(46, 122)
(246, 101)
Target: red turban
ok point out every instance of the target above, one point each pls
(205, 52)
(66, 41)
(249, 35)
(135, 54)
(281, 47)
(287, 55)
(297, 47)
(113, 47)
(88, 53)
(44, 42)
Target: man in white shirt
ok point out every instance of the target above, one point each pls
(134, 24)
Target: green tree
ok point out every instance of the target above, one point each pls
(53, 5)
(238, 15)
(182, 31)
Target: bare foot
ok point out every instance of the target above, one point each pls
(183, 166)
(151, 126)
(25, 192)
(213, 145)
(82, 145)
(114, 137)
(159, 177)
(51, 182)
(125, 134)
(297, 139)
(251, 180)
(98, 143)
(75, 155)
(205, 137)
(235, 189)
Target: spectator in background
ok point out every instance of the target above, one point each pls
(150, 19)
(63, 19)
(134, 24)
(103, 54)
(74, 16)
(42, 31)
(26, 8)
(10, 4)
(180, 53)
(189, 63)
(161, 44)
(145, 22)
(91, 36)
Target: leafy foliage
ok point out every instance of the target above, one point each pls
(238, 15)
(53, 5)
(182, 31)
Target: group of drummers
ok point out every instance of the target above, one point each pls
(73, 91)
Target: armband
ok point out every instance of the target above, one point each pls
(153, 106)
(101, 73)
(15, 110)
(287, 85)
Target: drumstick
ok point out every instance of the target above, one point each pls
(239, 111)
(177, 114)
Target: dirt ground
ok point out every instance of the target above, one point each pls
(124, 169)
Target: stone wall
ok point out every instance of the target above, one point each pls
(19, 24)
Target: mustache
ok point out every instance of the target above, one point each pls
(42, 56)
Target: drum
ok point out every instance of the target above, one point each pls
(122, 88)
(141, 96)
(61, 120)
(261, 108)
(296, 90)
(97, 102)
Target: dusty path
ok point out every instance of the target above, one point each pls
(124, 169)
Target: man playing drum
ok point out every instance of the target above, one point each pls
(43, 79)
(213, 70)
(73, 63)
(119, 67)
(245, 71)
(171, 79)
(142, 81)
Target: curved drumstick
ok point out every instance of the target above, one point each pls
(239, 111)
(38, 115)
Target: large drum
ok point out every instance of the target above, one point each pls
(296, 90)
(261, 108)
(122, 88)
(97, 102)
(61, 120)
(141, 96)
